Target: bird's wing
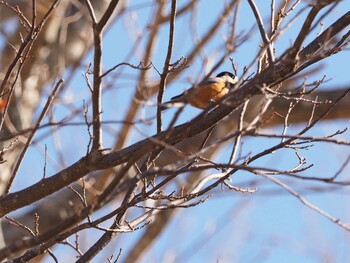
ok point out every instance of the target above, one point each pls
(209, 81)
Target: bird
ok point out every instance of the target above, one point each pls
(203, 94)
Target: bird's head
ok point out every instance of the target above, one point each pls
(228, 77)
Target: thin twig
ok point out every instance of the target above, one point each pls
(97, 82)
(91, 11)
(263, 34)
(305, 30)
(140, 66)
(307, 203)
(166, 68)
(21, 56)
(239, 136)
(31, 136)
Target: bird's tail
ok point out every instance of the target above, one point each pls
(177, 101)
(177, 97)
(164, 106)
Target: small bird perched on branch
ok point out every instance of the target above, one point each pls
(204, 93)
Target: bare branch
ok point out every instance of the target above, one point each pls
(265, 38)
(166, 68)
(31, 136)
(321, 40)
(307, 203)
(304, 31)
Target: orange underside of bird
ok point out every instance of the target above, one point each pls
(201, 97)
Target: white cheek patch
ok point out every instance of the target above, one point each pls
(230, 80)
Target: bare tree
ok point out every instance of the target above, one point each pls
(121, 178)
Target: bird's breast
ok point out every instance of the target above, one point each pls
(203, 95)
